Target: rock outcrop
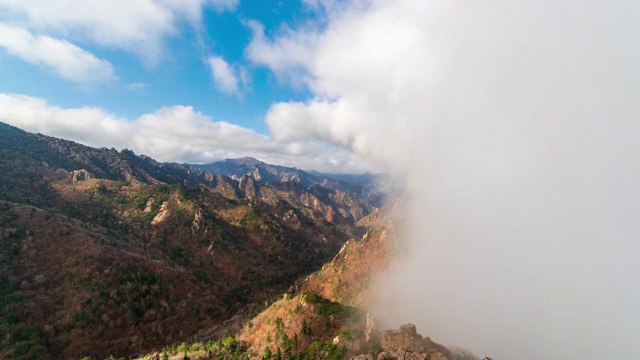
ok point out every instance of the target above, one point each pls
(406, 344)
(363, 357)
(80, 175)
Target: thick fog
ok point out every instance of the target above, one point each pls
(515, 128)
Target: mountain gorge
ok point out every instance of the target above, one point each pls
(107, 253)
(103, 249)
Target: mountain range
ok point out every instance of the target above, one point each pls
(106, 253)
(365, 185)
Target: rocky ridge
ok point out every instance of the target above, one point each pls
(109, 253)
(366, 186)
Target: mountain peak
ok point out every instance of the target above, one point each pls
(247, 160)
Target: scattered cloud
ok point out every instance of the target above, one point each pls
(137, 86)
(222, 5)
(287, 56)
(139, 27)
(508, 123)
(172, 134)
(65, 59)
(191, 10)
(225, 77)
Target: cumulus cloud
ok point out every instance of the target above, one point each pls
(139, 27)
(86, 125)
(512, 126)
(65, 59)
(181, 132)
(224, 76)
(285, 57)
(173, 134)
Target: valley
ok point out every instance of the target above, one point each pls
(109, 254)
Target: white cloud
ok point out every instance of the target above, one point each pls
(180, 132)
(511, 125)
(65, 59)
(224, 76)
(285, 57)
(86, 125)
(139, 27)
(173, 134)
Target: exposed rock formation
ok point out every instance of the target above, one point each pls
(406, 343)
(369, 327)
(80, 175)
(363, 357)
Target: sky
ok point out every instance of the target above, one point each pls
(512, 127)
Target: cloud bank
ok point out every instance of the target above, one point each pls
(513, 126)
(173, 134)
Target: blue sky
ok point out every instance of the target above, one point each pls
(182, 77)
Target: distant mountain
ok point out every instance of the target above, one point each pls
(365, 185)
(356, 179)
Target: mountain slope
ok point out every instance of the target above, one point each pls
(324, 317)
(109, 253)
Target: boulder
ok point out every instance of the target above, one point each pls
(80, 175)
(337, 340)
